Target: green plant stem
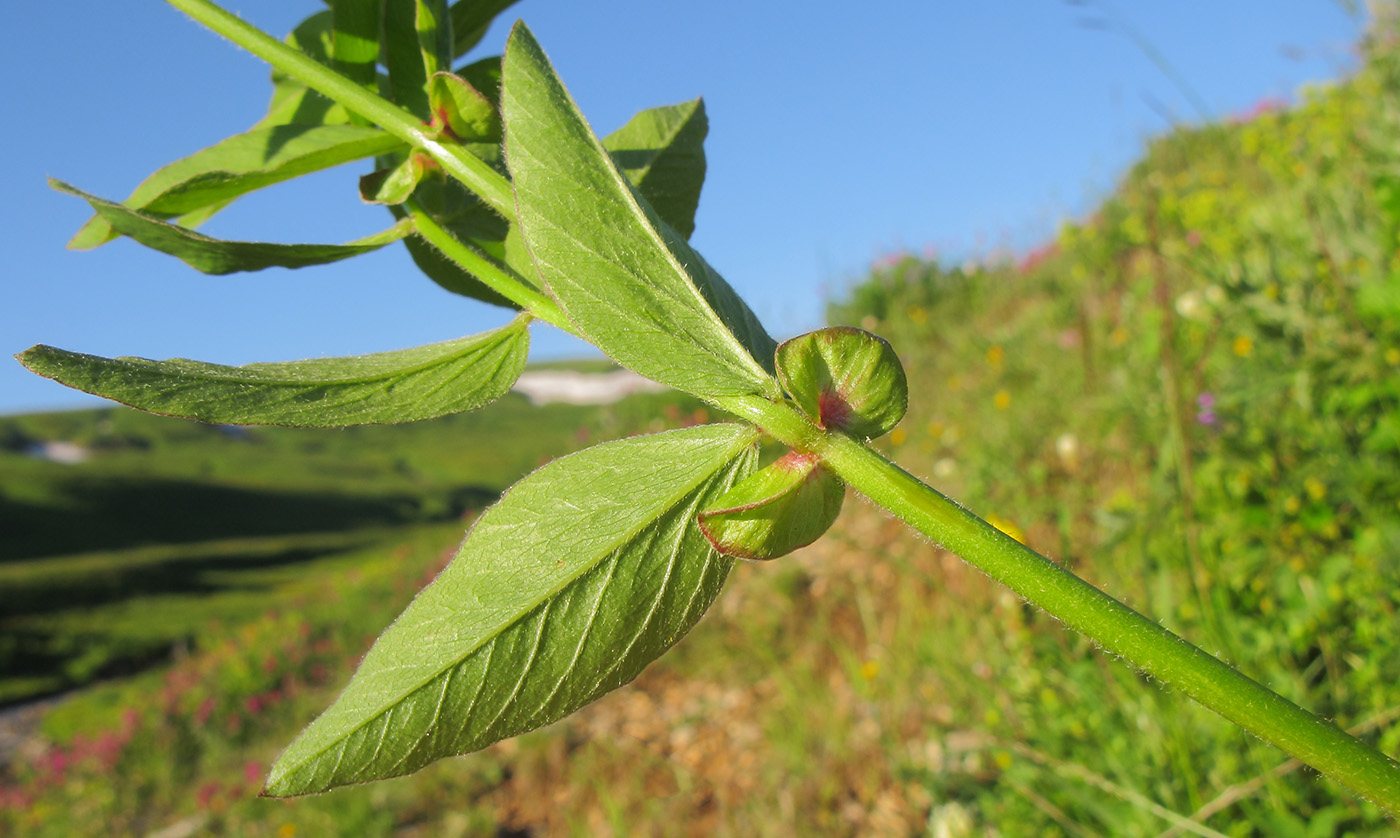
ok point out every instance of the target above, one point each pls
(498, 278)
(455, 160)
(1112, 625)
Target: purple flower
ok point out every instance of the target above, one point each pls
(1205, 413)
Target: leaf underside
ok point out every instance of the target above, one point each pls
(240, 164)
(582, 574)
(624, 277)
(217, 256)
(388, 387)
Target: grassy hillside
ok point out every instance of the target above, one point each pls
(109, 564)
(1192, 398)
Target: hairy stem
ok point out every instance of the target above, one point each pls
(455, 160)
(1112, 625)
(497, 277)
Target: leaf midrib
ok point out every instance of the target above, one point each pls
(739, 355)
(314, 382)
(523, 612)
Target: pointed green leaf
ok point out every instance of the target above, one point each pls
(845, 379)
(470, 20)
(388, 387)
(241, 164)
(582, 574)
(216, 256)
(355, 39)
(395, 185)
(628, 281)
(662, 151)
(463, 109)
(787, 505)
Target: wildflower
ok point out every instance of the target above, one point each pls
(1243, 346)
(995, 355)
(1205, 409)
(1002, 399)
(897, 436)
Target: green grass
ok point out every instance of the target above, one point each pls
(110, 564)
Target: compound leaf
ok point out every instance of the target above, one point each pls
(402, 386)
(582, 574)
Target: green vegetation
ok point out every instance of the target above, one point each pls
(1191, 399)
(109, 564)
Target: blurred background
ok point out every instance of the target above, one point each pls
(1140, 263)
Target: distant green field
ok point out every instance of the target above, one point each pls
(109, 564)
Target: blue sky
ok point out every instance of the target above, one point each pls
(835, 138)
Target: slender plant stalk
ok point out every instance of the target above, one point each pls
(1114, 626)
(455, 160)
(498, 278)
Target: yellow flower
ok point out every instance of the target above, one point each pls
(897, 436)
(1244, 346)
(995, 355)
(917, 314)
(1392, 357)
(1002, 400)
(1316, 489)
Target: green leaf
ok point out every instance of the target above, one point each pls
(662, 151)
(355, 39)
(625, 278)
(387, 387)
(395, 185)
(845, 379)
(582, 574)
(216, 256)
(787, 505)
(471, 19)
(485, 76)
(241, 164)
(462, 109)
